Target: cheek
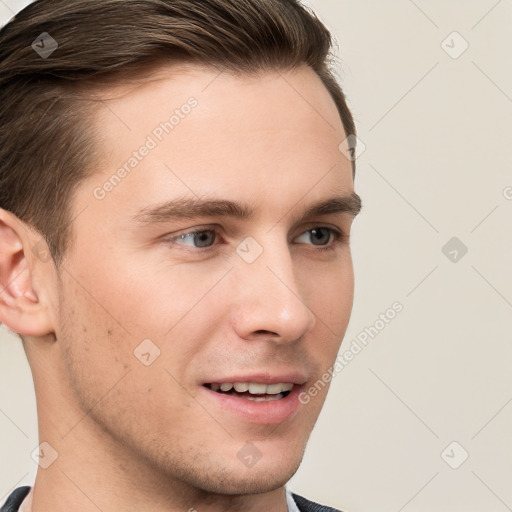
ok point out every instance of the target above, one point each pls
(149, 296)
(122, 387)
(137, 321)
(93, 346)
(331, 293)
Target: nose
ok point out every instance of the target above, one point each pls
(269, 298)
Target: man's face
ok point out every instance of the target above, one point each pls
(152, 322)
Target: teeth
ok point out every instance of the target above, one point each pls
(254, 388)
(257, 389)
(266, 398)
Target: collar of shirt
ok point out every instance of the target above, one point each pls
(292, 506)
(26, 504)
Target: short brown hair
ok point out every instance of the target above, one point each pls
(46, 139)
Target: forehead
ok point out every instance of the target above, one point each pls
(197, 130)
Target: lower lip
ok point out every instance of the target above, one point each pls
(269, 412)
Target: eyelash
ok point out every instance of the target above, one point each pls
(337, 237)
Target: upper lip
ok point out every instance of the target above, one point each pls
(263, 378)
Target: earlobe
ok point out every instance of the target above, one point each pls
(21, 309)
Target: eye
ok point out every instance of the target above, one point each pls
(197, 239)
(321, 236)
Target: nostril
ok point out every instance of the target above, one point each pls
(263, 331)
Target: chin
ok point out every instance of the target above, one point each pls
(270, 472)
(271, 468)
(215, 474)
(252, 480)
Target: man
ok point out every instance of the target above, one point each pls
(174, 227)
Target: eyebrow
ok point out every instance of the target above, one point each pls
(194, 207)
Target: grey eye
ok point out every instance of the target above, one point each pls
(198, 238)
(317, 236)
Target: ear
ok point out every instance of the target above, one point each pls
(21, 307)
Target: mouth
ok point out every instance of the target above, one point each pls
(254, 391)
(254, 400)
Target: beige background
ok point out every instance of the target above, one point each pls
(437, 132)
